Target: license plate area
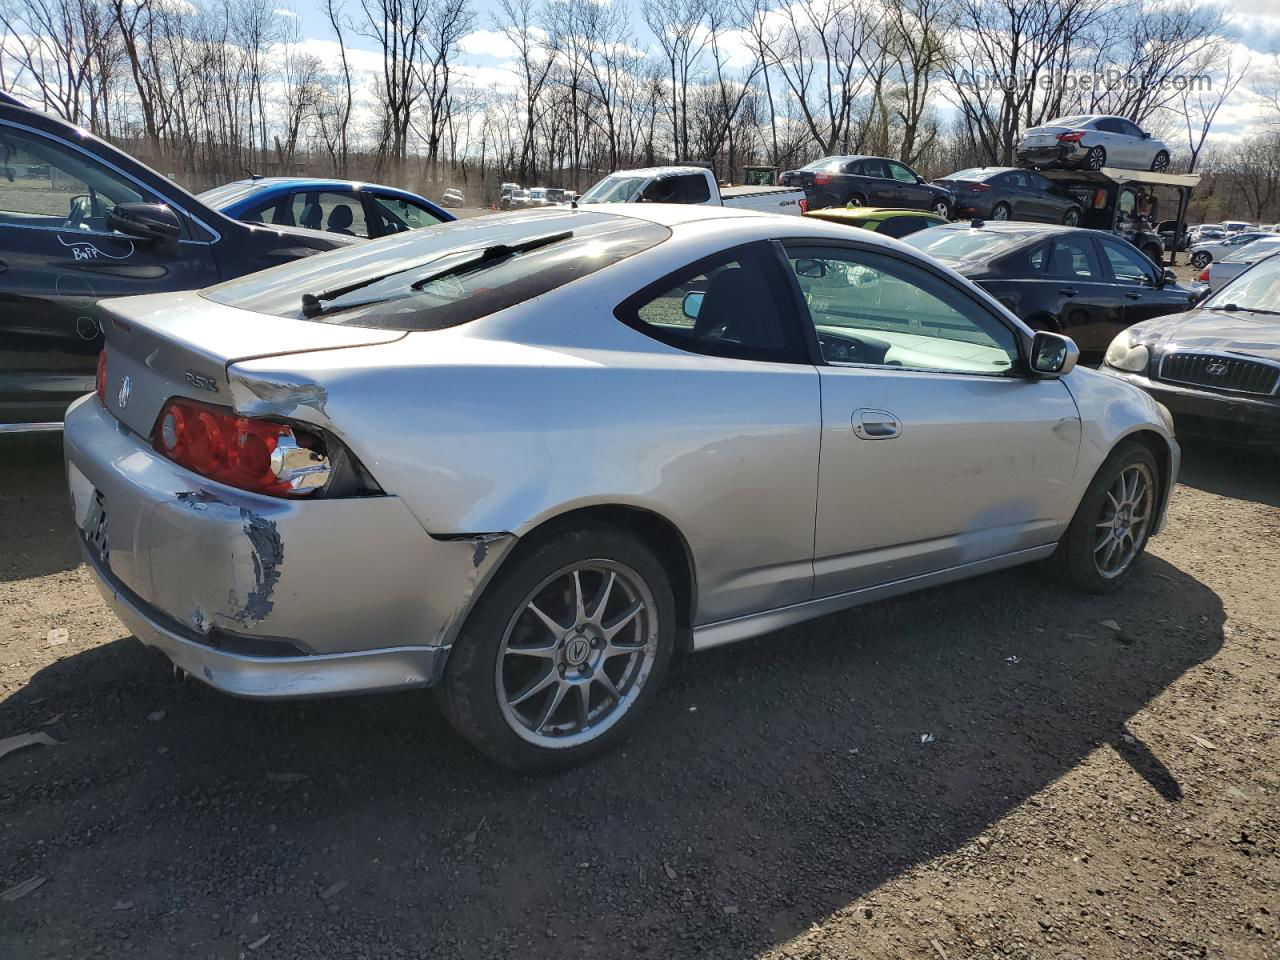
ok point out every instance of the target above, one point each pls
(95, 527)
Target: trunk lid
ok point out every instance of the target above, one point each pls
(171, 345)
(1044, 136)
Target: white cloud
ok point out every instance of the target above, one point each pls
(488, 43)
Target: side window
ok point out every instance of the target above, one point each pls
(874, 167)
(398, 215)
(901, 173)
(1073, 258)
(692, 188)
(46, 183)
(874, 309)
(730, 305)
(330, 211)
(274, 211)
(1026, 263)
(1128, 266)
(1017, 179)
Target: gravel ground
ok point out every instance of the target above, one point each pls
(982, 770)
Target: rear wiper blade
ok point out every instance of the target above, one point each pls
(499, 251)
(313, 303)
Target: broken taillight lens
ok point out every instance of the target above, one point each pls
(100, 378)
(262, 456)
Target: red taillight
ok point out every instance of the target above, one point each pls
(979, 187)
(822, 179)
(1204, 275)
(257, 455)
(1073, 137)
(804, 205)
(100, 379)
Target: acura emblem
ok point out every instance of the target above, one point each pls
(126, 387)
(1215, 369)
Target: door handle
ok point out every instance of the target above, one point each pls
(3, 266)
(875, 424)
(1067, 291)
(1133, 296)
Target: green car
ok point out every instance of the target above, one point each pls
(891, 223)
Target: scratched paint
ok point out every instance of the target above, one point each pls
(267, 554)
(281, 398)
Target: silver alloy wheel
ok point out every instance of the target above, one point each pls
(577, 653)
(1072, 218)
(1122, 526)
(1097, 158)
(941, 208)
(1160, 163)
(1001, 212)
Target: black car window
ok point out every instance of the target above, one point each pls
(400, 293)
(901, 226)
(874, 167)
(1037, 182)
(54, 185)
(900, 172)
(729, 305)
(398, 214)
(852, 168)
(274, 210)
(1131, 128)
(867, 307)
(692, 188)
(331, 211)
(1127, 264)
(1016, 179)
(1025, 263)
(1074, 258)
(1110, 125)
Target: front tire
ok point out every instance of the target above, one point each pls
(1111, 527)
(1161, 162)
(564, 651)
(1072, 217)
(942, 209)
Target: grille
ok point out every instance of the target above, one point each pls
(1220, 373)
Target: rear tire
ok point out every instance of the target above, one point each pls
(537, 637)
(855, 200)
(1109, 532)
(1096, 158)
(1201, 260)
(1001, 211)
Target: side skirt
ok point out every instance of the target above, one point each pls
(741, 628)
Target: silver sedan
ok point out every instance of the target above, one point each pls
(526, 458)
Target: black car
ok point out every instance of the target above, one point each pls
(80, 221)
(1086, 284)
(1216, 368)
(1008, 193)
(867, 182)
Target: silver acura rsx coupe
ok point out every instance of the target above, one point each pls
(526, 458)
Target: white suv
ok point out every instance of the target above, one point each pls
(1092, 142)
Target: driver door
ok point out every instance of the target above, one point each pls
(936, 453)
(58, 258)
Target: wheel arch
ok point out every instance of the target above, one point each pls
(655, 531)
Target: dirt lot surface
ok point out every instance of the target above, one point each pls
(982, 770)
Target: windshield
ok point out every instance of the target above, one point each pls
(227, 194)
(1256, 289)
(1253, 251)
(963, 244)
(387, 284)
(613, 190)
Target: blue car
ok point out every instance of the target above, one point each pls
(337, 206)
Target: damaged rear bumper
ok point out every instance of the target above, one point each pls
(262, 596)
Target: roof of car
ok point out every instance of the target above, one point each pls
(315, 183)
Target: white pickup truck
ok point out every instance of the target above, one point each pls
(691, 185)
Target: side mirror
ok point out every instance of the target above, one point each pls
(692, 304)
(1052, 354)
(1145, 135)
(919, 179)
(1168, 277)
(146, 221)
(811, 269)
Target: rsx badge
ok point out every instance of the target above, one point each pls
(201, 382)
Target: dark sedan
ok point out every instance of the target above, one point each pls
(1086, 284)
(1217, 368)
(1008, 193)
(867, 182)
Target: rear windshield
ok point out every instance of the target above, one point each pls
(963, 244)
(227, 194)
(825, 164)
(1068, 121)
(973, 173)
(398, 263)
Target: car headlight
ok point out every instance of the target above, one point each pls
(1124, 355)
